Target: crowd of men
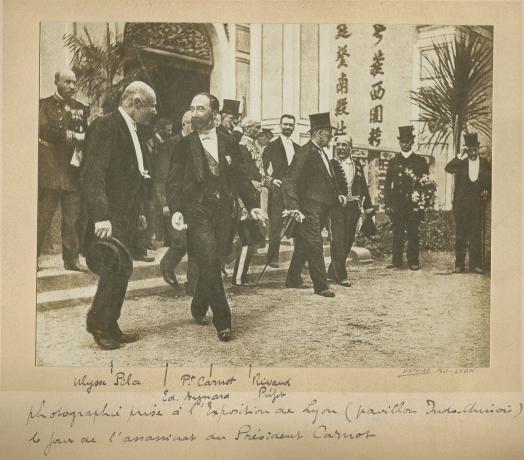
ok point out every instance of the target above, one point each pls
(222, 179)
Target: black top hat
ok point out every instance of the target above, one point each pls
(109, 256)
(471, 140)
(405, 132)
(231, 106)
(319, 121)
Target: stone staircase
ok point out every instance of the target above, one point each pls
(59, 288)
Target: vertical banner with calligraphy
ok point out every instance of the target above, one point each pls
(376, 111)
(341, 89)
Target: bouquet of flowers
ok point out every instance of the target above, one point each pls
(421, 190)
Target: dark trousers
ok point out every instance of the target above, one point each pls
(405, 224)
(208, 232)
(275, 208)
(467, 229)
(343, 226)
(111, 290)
(107, 303)
(308, 246)
(48, 200)
(177, 250)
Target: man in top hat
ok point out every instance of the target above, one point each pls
(204, 180)
(351, 182)
(310, 192)
(397, 198)
(62, 124)
(472, 186)
(277, 157)
(115, 179)
(229, 115)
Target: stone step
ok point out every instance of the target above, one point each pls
(59, 289)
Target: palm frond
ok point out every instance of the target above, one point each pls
(460, 92)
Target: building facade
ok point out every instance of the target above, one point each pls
(361, 73)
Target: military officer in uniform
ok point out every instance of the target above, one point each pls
(62, 126)
(397, 198)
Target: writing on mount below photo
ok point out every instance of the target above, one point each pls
(319, 198)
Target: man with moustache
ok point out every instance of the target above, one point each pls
(277, 158)
(472, 186)
(204, 180)
(351, 182)
(115, 179)
(310, 192)
(397, 198)
(62, 125)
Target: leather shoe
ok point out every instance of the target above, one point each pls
(128, 337)
(326, 293)
(106, 341)
(123, 337)
(273, 264)
(224, 335)
(74, 265)
(477, 270)
(169, 277)
(393, 266)
(414, 267)
(458, 270)
(202, 320)
(345, 283)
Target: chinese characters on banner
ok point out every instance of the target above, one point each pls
(377, 92)
(342, 56)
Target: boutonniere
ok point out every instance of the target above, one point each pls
(228, 159)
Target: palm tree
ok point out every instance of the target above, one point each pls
(102, 70)
(460, 96)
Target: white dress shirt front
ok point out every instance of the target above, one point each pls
(210, 142)
(406, 155)
(349, 170)
(288, 147)
(473, 169)
(131, 125)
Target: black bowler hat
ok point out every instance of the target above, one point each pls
(319, 121)
(268, 132)
(405, 132)
(109, 256)
(230, 106)
(471, 140)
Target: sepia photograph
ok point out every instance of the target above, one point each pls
(295, 195)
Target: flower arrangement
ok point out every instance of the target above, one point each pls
(420, 190)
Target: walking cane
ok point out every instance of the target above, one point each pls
(286, 225)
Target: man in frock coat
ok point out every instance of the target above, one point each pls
(115, 179)
(204, 180)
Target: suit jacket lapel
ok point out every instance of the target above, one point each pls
(282, 152)
(129, 147)
(222, 162)
(322, 166)
(196, 153)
